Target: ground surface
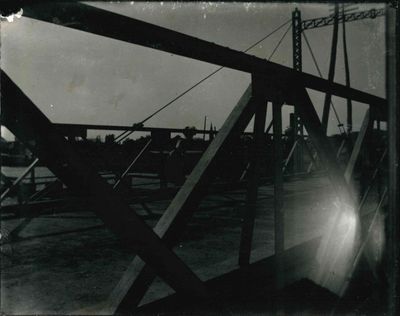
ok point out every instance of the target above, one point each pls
(67, 260)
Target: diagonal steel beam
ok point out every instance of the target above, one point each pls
(330, 255)
(86, 18)
(253, 172)
(357, 147)
(33, 128)
(137, 157)
(138, 277)
(296, 263)
(19, 179)
(322, 145)
(329, 252)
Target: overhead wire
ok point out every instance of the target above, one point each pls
(266, 36)
(279, 43)
(126, 134)
(320, 74)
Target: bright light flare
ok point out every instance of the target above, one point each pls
(338, 248)
(375, 242)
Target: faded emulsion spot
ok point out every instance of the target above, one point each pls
(8, 14)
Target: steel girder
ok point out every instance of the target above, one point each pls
(322, 145)
(135, 282)
(90, 19)
(349, 17)
(33, 128)
(37, 132)
(138, 277)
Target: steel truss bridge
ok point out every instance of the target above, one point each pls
(271, 85)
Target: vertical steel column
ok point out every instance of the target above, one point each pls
(39, 135)
(331, 75)
(204, 127)
(296, 30)
(392, 81)
(347, 72)
(298, 164)
(278, 190)
(326, 274)
(367, 161)
(322, 144)
(357, 147)
(138, 277)
(379, 137)
(254, 172)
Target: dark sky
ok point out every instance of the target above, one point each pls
(76, 77)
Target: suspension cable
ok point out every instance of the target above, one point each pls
(320, 74)
(126, 134)
(266, 36)
(279, 43)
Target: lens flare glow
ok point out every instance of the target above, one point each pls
(338, 248)
(375, 243)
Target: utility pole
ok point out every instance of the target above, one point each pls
(347, 72)
(298, 129)
(392, 81)
(334, 19)
(299, 26)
